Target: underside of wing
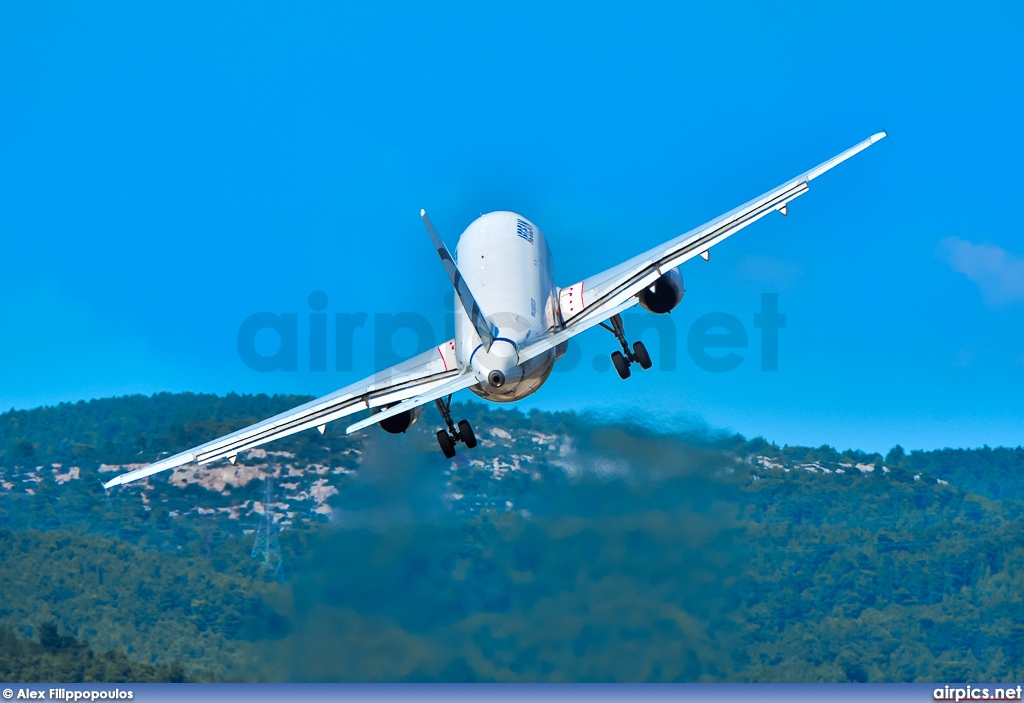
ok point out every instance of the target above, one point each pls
(431, 370)
(432, 393)
(608, 293)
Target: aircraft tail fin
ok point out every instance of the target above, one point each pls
(476, 315)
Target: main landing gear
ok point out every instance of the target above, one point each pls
(448, 438)
(622, 359)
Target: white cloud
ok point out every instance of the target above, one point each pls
(998, 273)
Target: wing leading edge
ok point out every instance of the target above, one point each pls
(612, 291)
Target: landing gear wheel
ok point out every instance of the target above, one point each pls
(447, 446)
(466, 434)
(620, 364)
(641, 355)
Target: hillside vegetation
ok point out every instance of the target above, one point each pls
(563, 548)
(62, 658)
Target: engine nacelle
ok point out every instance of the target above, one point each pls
(664, 295)
(397, 424)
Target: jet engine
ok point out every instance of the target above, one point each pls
(664, 295)
(397, 424)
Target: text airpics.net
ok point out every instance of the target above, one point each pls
(977, 693)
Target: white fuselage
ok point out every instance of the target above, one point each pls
(506, 261)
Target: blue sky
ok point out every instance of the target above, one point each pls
(167, 171)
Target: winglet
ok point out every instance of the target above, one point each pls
(836, 160)
(171, 462)
(476, 316)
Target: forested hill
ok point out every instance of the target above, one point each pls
(55, 657)
(564, 547)
(130, 428)
(140, 429)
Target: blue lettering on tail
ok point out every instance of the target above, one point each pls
(525, 230)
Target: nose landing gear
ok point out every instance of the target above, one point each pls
(448, 438)
(622, 359)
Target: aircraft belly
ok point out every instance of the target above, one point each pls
(535, 373)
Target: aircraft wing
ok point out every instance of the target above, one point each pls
(422, 378)
(610, 292)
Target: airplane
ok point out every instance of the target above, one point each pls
(512, 323)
